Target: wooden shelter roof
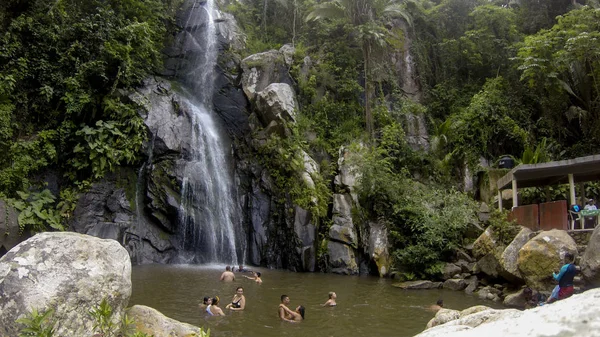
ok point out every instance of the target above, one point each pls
(553, 173)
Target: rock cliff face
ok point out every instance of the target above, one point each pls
(255, 99)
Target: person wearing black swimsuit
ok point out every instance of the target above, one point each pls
(238, 301)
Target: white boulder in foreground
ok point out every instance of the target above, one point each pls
(152, 322)
(576, 316)
(68, 272)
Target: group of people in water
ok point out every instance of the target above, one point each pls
(238, 302)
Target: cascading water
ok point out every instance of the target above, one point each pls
(209, 225)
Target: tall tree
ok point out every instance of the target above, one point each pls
(367, 17)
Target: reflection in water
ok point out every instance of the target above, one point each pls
(367, 306)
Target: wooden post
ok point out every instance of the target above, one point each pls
(572, 190)
(514, 193)
(500, 200)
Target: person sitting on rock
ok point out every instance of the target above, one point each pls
(565, 278)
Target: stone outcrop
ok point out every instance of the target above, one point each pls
(422, 284)
(590, 262)
(151, 322)
(342, 258)
(578, 315)
(378, 248)
(450, 269)
(542, 255)
(487, 249)
(516, 300)
(508, 261)
(261, 70)
(306, 233)
(67, 272)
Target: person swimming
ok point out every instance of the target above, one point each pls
(238, 301)
(437, 306)
(255, 276)
(212, 309)
(331, 301)
(204, 303)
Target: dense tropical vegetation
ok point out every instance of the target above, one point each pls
(497, 78)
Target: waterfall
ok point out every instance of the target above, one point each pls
(209, 218)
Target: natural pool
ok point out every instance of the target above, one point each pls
(367, 306)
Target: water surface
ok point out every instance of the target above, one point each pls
(367, 306)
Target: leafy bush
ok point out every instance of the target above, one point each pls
(504, 229)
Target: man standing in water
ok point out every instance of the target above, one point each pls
(284, 311)
(228, 275)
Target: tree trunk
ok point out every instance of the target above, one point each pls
(367, 66)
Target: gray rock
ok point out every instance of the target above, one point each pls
(472, 284)
(556, 320)
(590, 263)
(277, 102)
(153, 323)
(455, 284)
(260, 70)
(259, 208)
(348, 174)
(450, 269)
(67, 272)
(9, 228)
(443, 316)
(542, 255)
(516, 300)
(379, 248)
(342, 259)
(422, 284)
(508, 262)
(306, 232)
(343, 234)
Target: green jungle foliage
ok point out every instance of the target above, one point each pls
(64, 68)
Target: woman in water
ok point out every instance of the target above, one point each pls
(255, 276)
(331, 301)
(238, 301)
(296, 315)
(204, 303)
(213, 309)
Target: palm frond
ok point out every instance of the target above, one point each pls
(328, 10)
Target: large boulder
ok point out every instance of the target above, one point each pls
(449, 270)
(68, 272)
(260, 70)
(543, 255)
(508, 261)
(276, 103)
(578, 315)
(342, 229)
(516, 300)
(379, 248)
(590, 263)
(487, 249)
(153, 323)
(342, 259)
(443, 316)
(487, 243)
(455, 284)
